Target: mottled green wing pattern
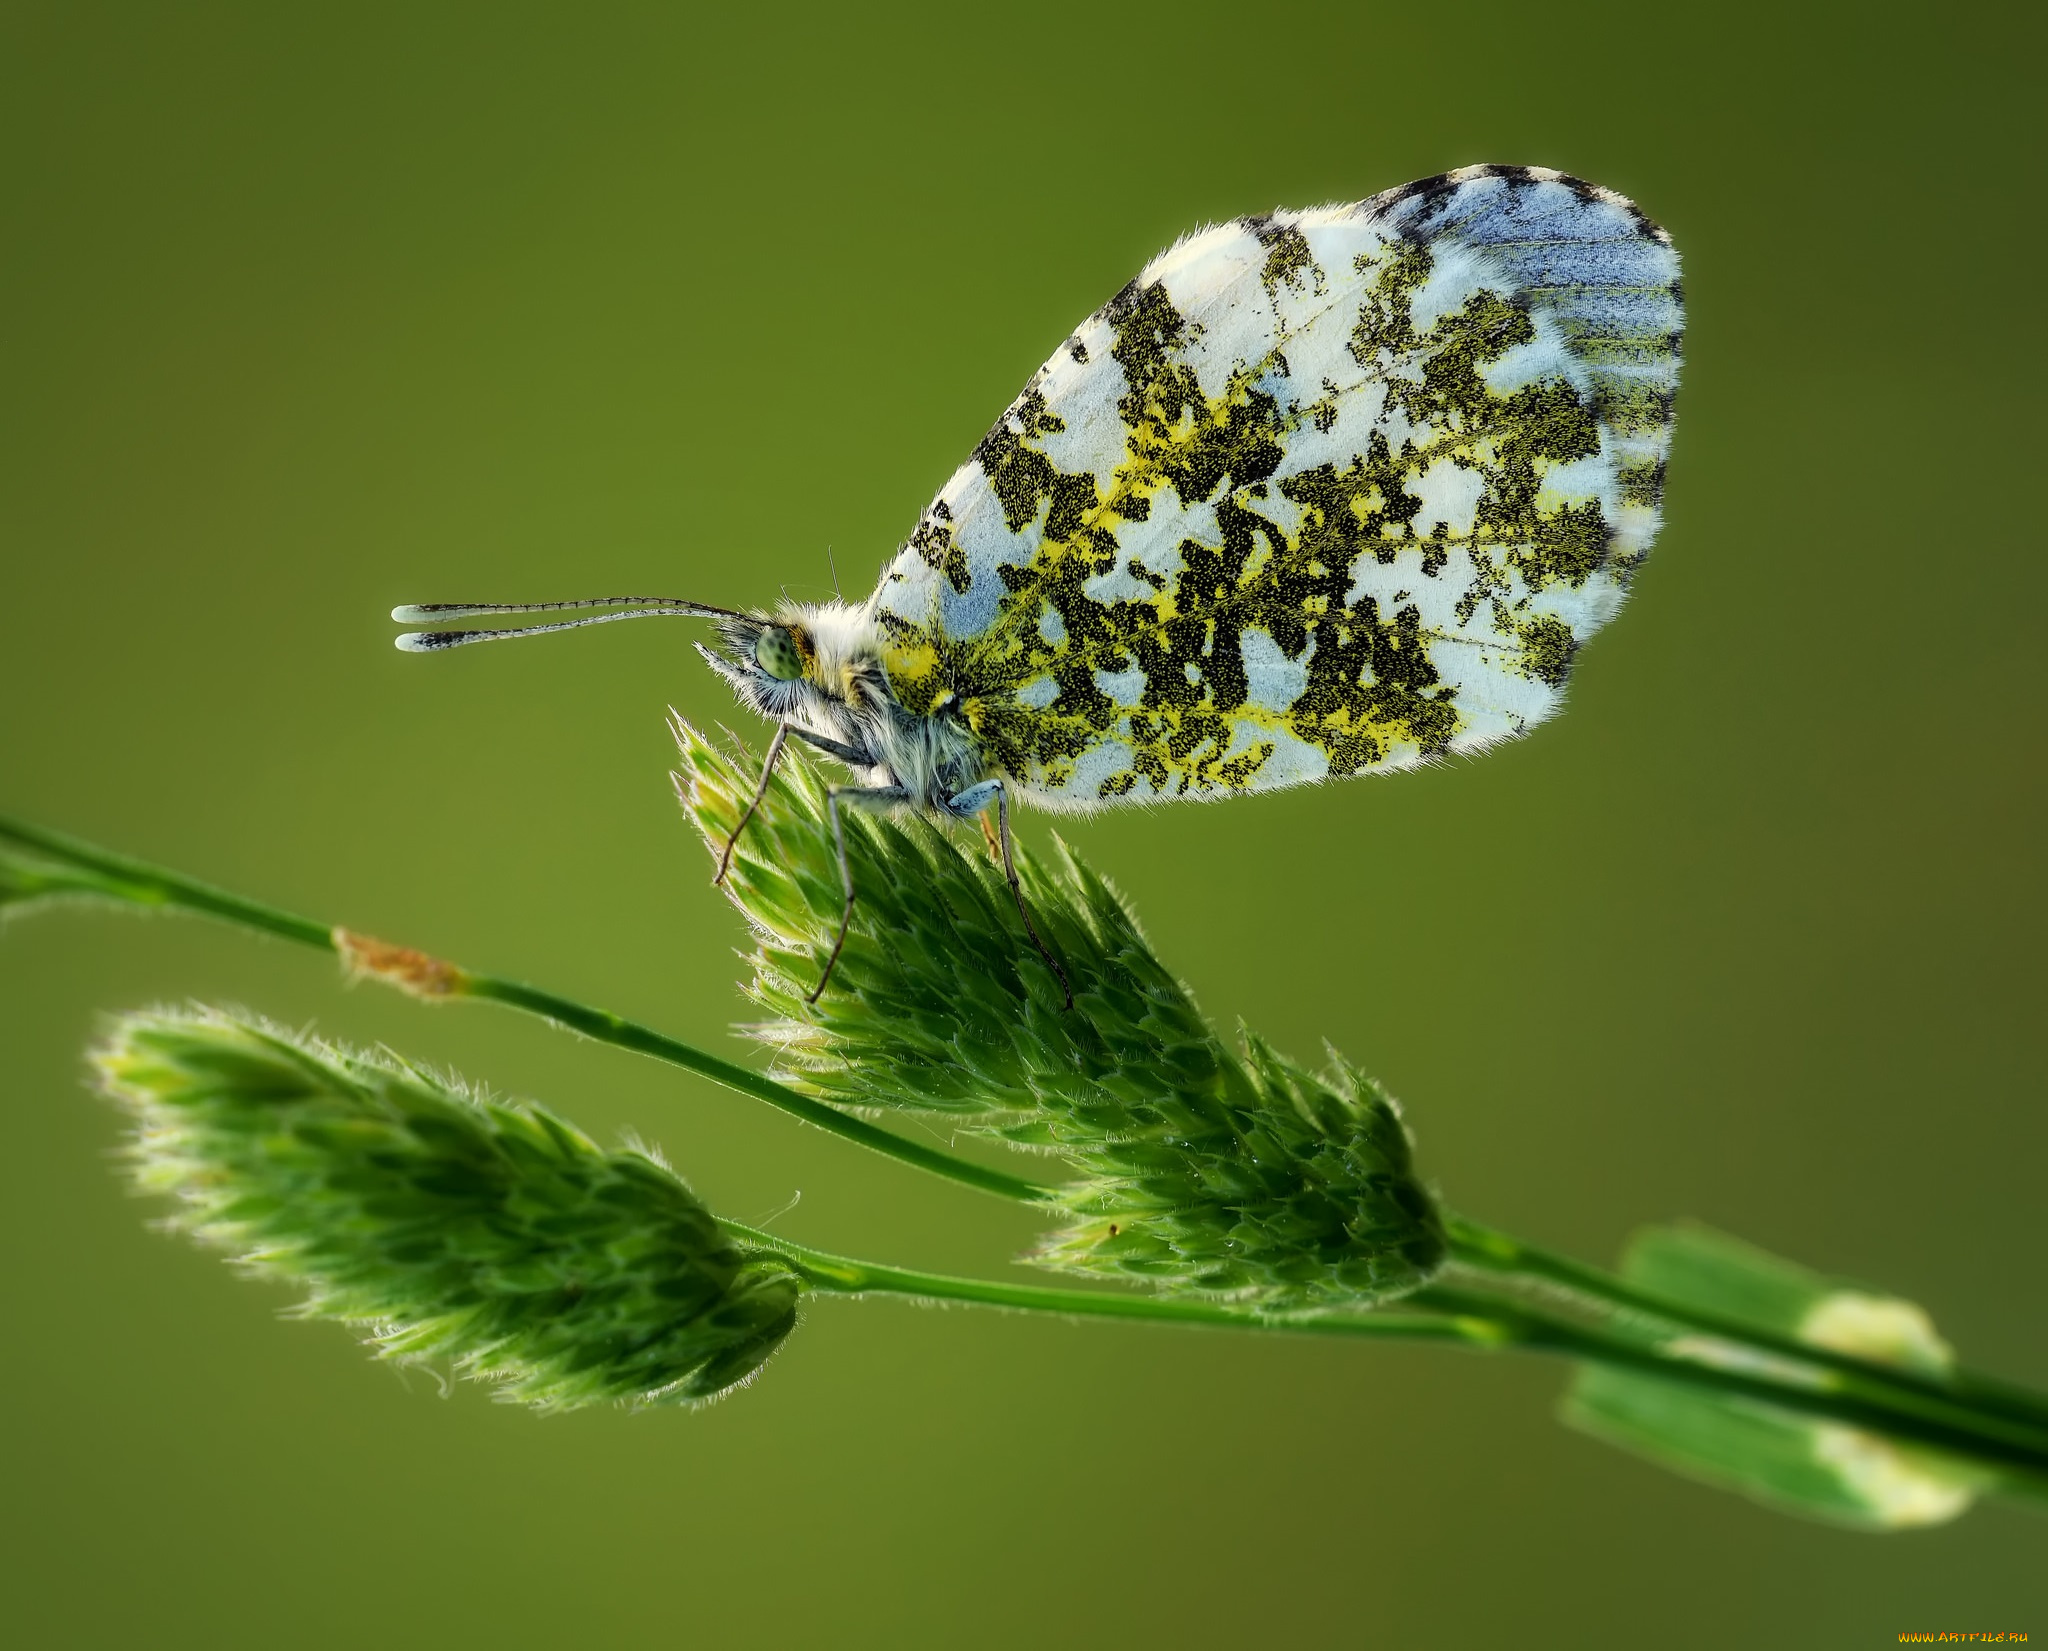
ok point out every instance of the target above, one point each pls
(1321, 493)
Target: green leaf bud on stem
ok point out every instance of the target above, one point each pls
(1800, 1463)
(491, 1235)
(1228, 1172)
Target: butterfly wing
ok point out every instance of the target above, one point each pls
(1322, 493)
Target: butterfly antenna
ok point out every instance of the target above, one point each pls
(631, 607)
(833, 562)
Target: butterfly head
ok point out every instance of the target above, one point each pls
(771, 664)
(814, 665)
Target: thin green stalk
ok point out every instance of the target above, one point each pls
(843, 1275)
(135, 882)
(1467, 1318)
(606, 1027)
(141, 884)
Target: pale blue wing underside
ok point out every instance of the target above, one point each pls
(1324, 492)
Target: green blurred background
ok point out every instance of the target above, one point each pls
(310, 310)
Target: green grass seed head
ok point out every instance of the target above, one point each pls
(1203, 1167)
(492, 1236)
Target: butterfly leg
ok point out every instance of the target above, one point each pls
(760, 791)
(877, 796)
(972, 801)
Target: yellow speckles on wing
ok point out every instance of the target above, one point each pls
(1319, 493)
(911, 658)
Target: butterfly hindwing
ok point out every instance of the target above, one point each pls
(1319, 493)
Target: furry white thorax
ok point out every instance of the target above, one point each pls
(843, 699)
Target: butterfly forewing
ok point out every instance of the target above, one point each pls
(1320, 493)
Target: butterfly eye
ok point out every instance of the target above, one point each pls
(776, 653)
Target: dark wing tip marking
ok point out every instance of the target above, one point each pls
(1434, 189)
(1430, 189)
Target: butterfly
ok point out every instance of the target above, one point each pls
(1320, 493)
